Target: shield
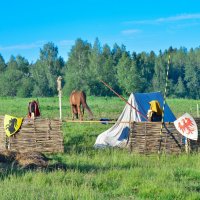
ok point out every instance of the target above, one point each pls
(187, 126)
(12, 124)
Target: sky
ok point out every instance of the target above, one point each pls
(140, 25)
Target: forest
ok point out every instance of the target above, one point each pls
(88, 63)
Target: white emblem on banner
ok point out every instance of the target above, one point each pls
(187, 126)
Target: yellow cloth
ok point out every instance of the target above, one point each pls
(12, 124)
(155, 107)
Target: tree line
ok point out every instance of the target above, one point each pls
(88, 63)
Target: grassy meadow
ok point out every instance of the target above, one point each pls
(104, 173)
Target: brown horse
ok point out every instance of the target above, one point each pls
(78, 101)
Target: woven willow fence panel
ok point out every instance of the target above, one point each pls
(195, 145)
(145, 138)
(41, 135)
(2, 135)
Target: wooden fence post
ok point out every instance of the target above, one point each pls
(59, 88)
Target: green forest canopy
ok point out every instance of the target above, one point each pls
(87, 63)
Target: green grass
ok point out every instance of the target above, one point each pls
(100, 174)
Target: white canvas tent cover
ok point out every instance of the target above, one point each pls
(117, 135)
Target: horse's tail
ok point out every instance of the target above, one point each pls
(89, 111)
(84, 104)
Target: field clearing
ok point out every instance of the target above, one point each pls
(88, 173)
(109, 107)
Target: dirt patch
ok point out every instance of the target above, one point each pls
(24, 160)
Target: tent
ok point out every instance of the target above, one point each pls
(118, 134)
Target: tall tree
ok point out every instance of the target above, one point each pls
(159, 77)
(94, 68)
(107, 72)
(12, 64)
(46, 70)
(22, 65)
(2, 64)
(127, 74)
(192, 74)
(180, 90)
(26, 86)
(145, 65)
(117, 52)
(10, 81)
(77, 64)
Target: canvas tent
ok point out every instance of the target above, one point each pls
(118, 134)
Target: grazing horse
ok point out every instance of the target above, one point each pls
(78, 101)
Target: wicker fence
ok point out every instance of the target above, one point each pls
(145, 138)
(195, 145)
(40, 135)
(2, 135)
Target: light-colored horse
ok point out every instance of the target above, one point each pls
(78, 104)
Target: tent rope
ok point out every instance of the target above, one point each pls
(124, 100)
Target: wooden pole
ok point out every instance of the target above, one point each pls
(163, 112)
(105, 122)
(59, 88)
(60, 104)
(165, 93)
(122, 98)
(129, 134)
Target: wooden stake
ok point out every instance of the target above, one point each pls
(59, 88)
(60, 104)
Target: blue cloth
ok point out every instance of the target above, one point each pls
(143, 100)
(104, 120)
(124, 134)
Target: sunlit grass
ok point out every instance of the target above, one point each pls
(100, 173)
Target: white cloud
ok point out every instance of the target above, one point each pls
(23, 46)
(130, 31)
(64, 43)
(37, 44)
(180, 17)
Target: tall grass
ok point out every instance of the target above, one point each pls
(100, 173)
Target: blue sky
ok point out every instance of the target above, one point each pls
(142, 25)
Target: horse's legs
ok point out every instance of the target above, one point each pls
(74, 111)
(79, 112)
(83, 110)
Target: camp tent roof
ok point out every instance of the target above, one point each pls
(117, 135)
(143, 100)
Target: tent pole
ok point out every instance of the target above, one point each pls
(165, 94)
(129, 123)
